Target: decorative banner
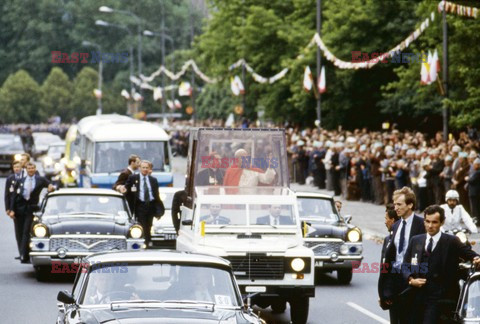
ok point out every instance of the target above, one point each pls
(157, 93)
(238, 109)
(184, 89)
(237, 86)
(429, 70)
(450, 7)
(177, 104)
(125, 94)
(137, 97)
(307, 79)
(170, 104)
(322, 85)
(257, 77)
(173, 76)
(97, 93)
(189, 110)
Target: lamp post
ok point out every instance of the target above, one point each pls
(163, 36)
(100, 71)
(319, 63)
(106, 24)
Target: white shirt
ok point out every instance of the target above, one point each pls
(251, 178)
(436, 238)
(459, 218)
(399, 258)
(141, 194)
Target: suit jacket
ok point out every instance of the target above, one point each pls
(265, 220)
(17, 199)
(390, 286)
(383, 275)
(122, 178)
(444, 272)
(204, 176)
(474, 184)
(134, 181)
(9, 189)
(179, 199)
(221, 220)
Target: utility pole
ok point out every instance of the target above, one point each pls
(162, 40)
(445, 75)
(319, 63)
(192, 80)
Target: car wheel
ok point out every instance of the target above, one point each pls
(42, 273)
(344, 276)
(279, 306)
(299, 309)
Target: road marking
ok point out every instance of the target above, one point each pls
(368, 313)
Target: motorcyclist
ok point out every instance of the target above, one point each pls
(456, 217)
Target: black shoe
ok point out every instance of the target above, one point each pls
(17, 258)
(24, 260)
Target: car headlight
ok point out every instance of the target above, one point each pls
(297, 264)
(40, 230)
(354, 235)
(17, 157)
(48, 160)
(73, 173)
(462, 237)
(136, 231)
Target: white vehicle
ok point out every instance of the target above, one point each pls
(163, 232)
(256, 227)
(41, 142)
(51, 161)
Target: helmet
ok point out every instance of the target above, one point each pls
(452, 194)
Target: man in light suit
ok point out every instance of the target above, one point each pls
(275, 217)
(142, 189)
(430, 268)
(23, 203)
(404, 229)
(214, 217)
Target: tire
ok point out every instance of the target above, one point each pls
(42, 273)
(279, 306)
(299, 309)
(344, 276)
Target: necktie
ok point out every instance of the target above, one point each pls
(430, 246)
(402, 237)
(28, 189)
(146, 196)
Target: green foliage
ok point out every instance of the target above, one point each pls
(84, 102)
(57, 94)
(20, 99)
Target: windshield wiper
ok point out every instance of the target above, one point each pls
(85, 212)
(180, 304)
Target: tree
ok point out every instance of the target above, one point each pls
(20, 99)
(84, 102)
(57, 94)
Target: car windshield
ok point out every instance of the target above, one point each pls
(46, 139)
(471, 307)
(167, 198)
(85, 204)
(56, 150)
(9, 142)
(159, 282)
(312, 208)
(236, 214)
(113, 156)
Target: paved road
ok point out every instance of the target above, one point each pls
(24, 300)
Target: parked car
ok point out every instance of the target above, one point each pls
(11, 148)
(41, 141)
(51, 163)
(73, 223)
(337, 245)
(154, 287)
(163, 232)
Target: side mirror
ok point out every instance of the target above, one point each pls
(187, 222)
(65, 297)
(347, 218)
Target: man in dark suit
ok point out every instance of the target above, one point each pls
(404, 229)
(133, 164)
(143, 190)
(474, 190)
(23, 203)
(10, 184)
(275, 217)
(214, 217)
(430, 268)
(179, 200)
(391, 218)
(212, 174)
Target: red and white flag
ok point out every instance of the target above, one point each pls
(307, 79)
(170, 104)
(177, 104)
(322, 83)
(424, 72)
(237, 86)
(185, 89)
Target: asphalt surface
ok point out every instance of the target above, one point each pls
(24, 300)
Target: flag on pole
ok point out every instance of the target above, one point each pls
(157, 93)
(424, 72)
(322, 85)
(170, 104)
(125, 94)
(185, 89)
(236, 85)
(434, 67)
(97, 93)
(307, 79)
(177, 104)
(137, 97)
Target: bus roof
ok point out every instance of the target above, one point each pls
(87, 123)
(127, 131)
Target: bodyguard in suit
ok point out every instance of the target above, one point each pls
(274, 218)
(390, 218)
(143, 190)
(215, 217)
(474, 189)
(404, 229)
(133, 165)
(10, 184)
(23, 203)
(430, 268)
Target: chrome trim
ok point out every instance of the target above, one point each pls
(97, 236)
(340, 258)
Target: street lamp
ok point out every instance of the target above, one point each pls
(164, 36)
(100, 71)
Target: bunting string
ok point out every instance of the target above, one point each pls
(453, 8)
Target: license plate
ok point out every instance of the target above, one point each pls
(318, 263)
(252, 289)
(170, 237)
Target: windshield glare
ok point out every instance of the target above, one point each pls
(113, 156)
(70, 204)
(13, 143)
(471, 308)
(159, 282)
(317, 208)
(236, 214)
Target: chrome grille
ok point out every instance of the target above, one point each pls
(257, 266)
(323, 248)
(87, 244)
